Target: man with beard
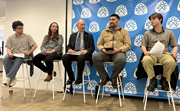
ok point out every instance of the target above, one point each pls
(113, 44)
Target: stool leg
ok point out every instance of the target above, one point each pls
(23, 81)
(171, 96)
(75, 79)
(121, 88)
(2, 92)
(97, 94)
(119, 97)
(145, 90)
(84, 91)
(37, 84)
(28, 78)
(60, 76)
(168, 98)
(90, 85)
(103, 92)
(65, 93)
(46, 87)
(146, 95)
(53, 89)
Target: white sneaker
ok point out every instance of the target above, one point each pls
(13, 82)
(7, 81)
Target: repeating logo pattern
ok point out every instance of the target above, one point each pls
(77, 86)
(86, 13)
(111, 0)
(176, 93)
(92, 85)
(109, 88)
(131, 56)
(148, 25)
(94, 1)
(154, 93)
(178, 6)
(86, 71)
(121, 10)
(140, 9)
(135, 25)
(178, 57)
(75, 29)
(162, 7)
(77, 2)
(130, 25)
(137, 40)
(135, 73)
(103, 12)
(94, 27)
(124, 73)
(179, 40)
(72, 14)
(130, 88)
(173, 23)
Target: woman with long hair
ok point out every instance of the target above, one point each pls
(51, 48)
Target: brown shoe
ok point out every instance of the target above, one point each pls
(104, 81)
(114, 83)
(48, 78)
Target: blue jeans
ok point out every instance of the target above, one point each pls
(10, 67)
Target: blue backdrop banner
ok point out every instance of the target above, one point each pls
(134, 16)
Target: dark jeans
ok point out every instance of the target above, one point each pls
(48, 59)
(67, 62)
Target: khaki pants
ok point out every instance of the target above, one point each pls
(166, 60)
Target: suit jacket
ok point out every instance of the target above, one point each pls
(141, 73)
(88, 44)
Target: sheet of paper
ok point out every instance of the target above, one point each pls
(75, 53)
(157, 49)
(19, 55)
(43, 51)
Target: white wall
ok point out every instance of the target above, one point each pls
(37, 16)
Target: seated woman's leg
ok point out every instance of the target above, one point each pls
(37, 62)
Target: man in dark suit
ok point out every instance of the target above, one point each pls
(83, 43)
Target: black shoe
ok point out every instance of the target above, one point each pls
(164, 84)
(104, 81)
(69, 82)
(153, 84)
(78, 82)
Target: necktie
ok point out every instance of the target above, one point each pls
(78, 43)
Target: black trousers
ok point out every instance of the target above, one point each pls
(48, 59)
(67, 62)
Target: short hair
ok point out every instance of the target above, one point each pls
(79, 20)
(158, 15)
(117, 16)
(17, 23)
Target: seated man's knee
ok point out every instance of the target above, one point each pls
(95, 57)
(81, 58)
(65, 56)
(171, 62)
(146, 60)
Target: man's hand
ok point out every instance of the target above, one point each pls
(71, 51)
(173, 55)
(25, 53)
(111, 51)
(83, 52)
(147, 53)
(115, 51)
(11, 55)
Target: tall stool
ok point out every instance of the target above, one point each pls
(81, 83)
(119, 83)
(23, 78)
(146, 92)
(53, 80)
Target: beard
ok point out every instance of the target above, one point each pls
(112, 26)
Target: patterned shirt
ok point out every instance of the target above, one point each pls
(21, 44)
(166, 37)
(57, 45)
